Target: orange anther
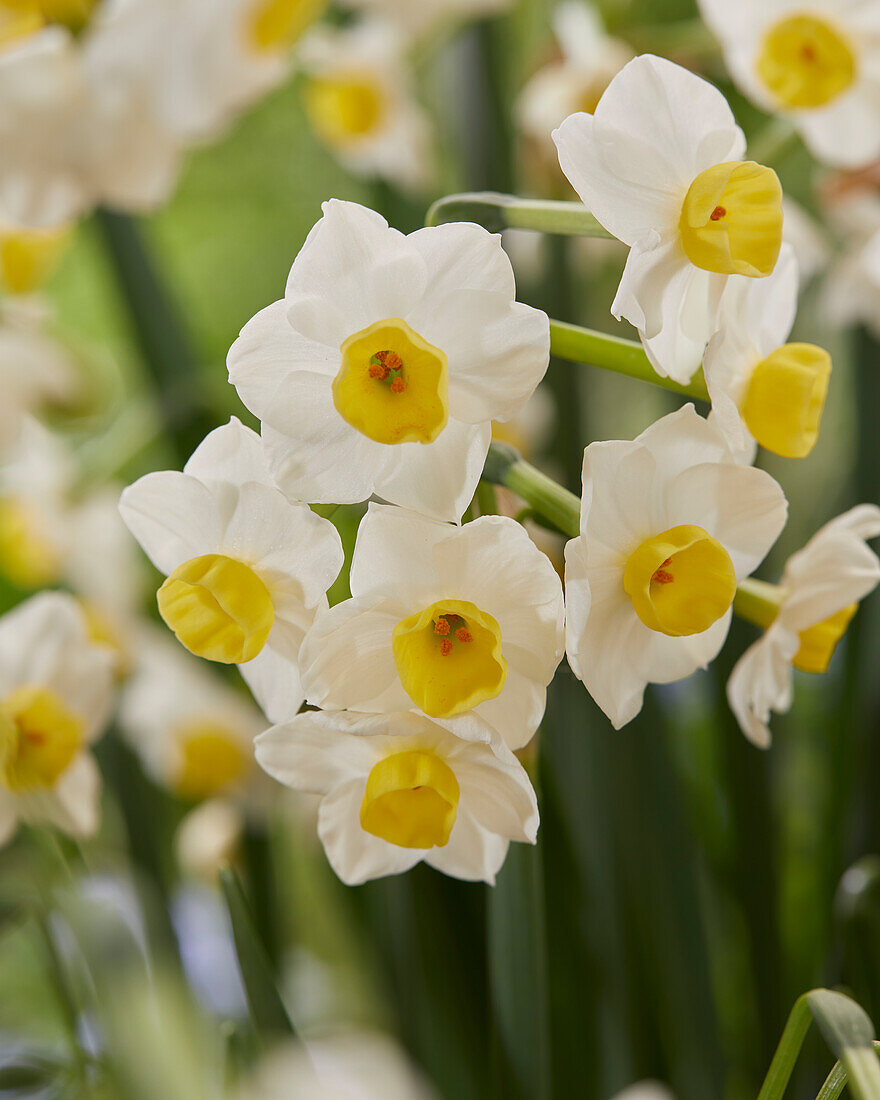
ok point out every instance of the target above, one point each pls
(392, 360)
(441, 627)
(445, 647)
(377, 370)
(464, 635)
(717, 214)
(398, 385)
(662, 577)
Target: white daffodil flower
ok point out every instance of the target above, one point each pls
(645, 1090)
(762, 388)
(804, 617)
(851, 293)
(400, 788)
(420, 17)
(384, 365)
(448, 621)
(56, 689)
(807, 237)
(359, 100)
(192, 731)
(246, 568)
(669, 524)
(576, 80)
(817, 62)
(660, 164)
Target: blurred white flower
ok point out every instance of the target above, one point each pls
(360, 102)
(576, 80)
(209, 837)
(450, 621)
(29, 257)
(400, 788)
(246, 568)
(816, 62)
(851, 292)
(193, 732)
(645, 1090)
(669, 524)
(804, 617)
(420, 16)
(385, 364)
(807, 237)
(761, 387)
(660, 165)
(55, 697)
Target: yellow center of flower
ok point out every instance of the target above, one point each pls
(805, 62)
(449, 658)
(680, 582)
(345, 109)
(785, 398)
(731, 219)
(39, 737)
(819, 641)
(277, 24)
(103, 631)
(393, 386)
(19, 18)
(29, 257)
(411, 800)
(28, 556)
(218, 607)
(212, 758)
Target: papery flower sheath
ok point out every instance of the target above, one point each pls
(660, 164)
(669, 524)
(804, 616)
(246, 567)
(382, 368)
(399, 789)
(445, 620)
(56, 689)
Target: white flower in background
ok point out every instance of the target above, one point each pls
(359, 100)
(851, 293)
(804, 616)
(55, 697)
(762, 388)
(30, 257)
(660, 164)
(209, 837)
(645, 1090)
(356, 1066)
(449, 621)
(36, 370)
(246, 568)
(817, 62)
(418, 17)
(193, 732)
(576, 80)
(669, 524)
(806, 236)
(385, 364)
(400, 788)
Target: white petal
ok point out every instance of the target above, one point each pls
(464, 256)
(846, 133)
(761, 682)
(312, 752)
(174, 517)
(517, 712)
(394, 554)
(77, 798)
(619, 505)
(230, 453)
(472, 853)
(274, 679)
(496, 791)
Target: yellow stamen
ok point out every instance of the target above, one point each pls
(28, 556)
(343, 110)
(449, 658)
(411, 800)
(212, 759)
(39, 738)
(785, 398)
(408, 404)
(277, 24)
(731, 219)
(218, 607)
(819, 641)
(680, 582)
(29, 257)
(805, 62)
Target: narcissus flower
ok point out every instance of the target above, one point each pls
(400, 788)
(29, 257)
(816, 62)
(851, 292)
(385, 364)
(246, 568)
(761, 387)
(359, 99)
(669, 524)
(445, 620)
(804, 616)
(193, 732)
(55, 697)
(660, 164)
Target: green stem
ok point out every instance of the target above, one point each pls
(836, 1081)
(64, 996)
(495, 212)
(505, 467)
(487, 500)
(782, 1066)
(583, 345)
(757, 602)
(774, 142)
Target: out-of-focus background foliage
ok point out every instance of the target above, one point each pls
(686, 887)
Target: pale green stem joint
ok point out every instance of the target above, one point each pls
(757, 602)
(496, 212)
(505, 466)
